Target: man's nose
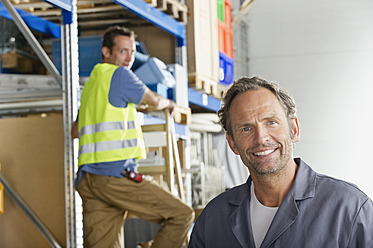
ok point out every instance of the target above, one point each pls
(130, 57)
(261, 134)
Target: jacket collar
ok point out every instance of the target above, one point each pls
(240, 217)
(240, 220)
(305, 181)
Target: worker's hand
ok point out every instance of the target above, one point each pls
(74, 130)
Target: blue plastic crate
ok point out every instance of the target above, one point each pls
(226, 69)
(160, 88)
(89, 54)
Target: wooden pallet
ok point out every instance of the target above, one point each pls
(183, 115)
(173, 8)
(206, 85)
(221, 91)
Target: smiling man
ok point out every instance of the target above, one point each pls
(284, 203)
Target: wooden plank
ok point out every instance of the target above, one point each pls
(175, 149)
(153, 128)
(154, 169)
(202, 39)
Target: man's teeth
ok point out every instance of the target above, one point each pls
(263, 153)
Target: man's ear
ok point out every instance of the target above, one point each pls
(232, 145)
(105, 52)
(295, 130)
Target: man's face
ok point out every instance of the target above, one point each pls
(261, 133)
(123, 52)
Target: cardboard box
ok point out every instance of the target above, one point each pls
(32, 161)
(158, 42)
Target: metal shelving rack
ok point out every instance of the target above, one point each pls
(69, 81)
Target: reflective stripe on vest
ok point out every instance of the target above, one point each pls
(107, 146)
(106, 126)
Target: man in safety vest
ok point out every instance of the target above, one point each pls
(110, 143)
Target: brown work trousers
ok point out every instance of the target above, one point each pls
(106, 201)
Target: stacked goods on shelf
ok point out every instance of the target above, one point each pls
(18, 62)
(225, 34)
(16, 55)
(202, 46)
(225, 30)
(175, 8)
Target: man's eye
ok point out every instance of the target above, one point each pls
(246, 129)
(272, 122)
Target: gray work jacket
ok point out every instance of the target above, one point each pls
(319, 211)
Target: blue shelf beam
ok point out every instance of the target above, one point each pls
(62, 4)
(34, 22)
(203, 100)
(156, 17)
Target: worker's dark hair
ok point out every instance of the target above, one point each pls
(112, 32)
(245, 84)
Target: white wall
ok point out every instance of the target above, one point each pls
(322, 52)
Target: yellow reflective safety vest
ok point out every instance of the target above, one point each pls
(106, 133)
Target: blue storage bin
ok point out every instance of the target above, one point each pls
(171, 94)
(90, 54)
(160, 88)
(226, 69)
(155, 71)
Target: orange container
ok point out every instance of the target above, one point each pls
(228, 12)
(221, 36)
(225, 38)
(229, 41)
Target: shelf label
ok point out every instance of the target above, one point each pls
(205, 100)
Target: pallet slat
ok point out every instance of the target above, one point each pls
(173, 8)
(206, 85)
